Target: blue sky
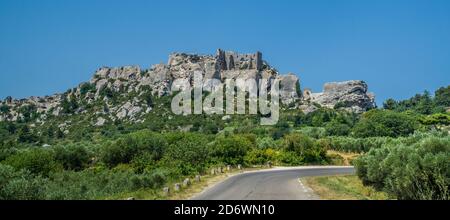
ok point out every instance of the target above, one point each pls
(398, 47)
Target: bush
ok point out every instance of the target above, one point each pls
(69, 104)
(305, 148)
(314, 132)
(37, 161)
(416, 171)
(148, 180)
(120, 151)
(126, 148)
(73, 156)
(290, 158)
(265, 142)
(385, 123)
(143, 162)
(280, 130)
(87, 87)
(436, 119)
(26, 136)
(100, 184)
(260, 156)
(442, 96)
(4, 109)
(356, 145)
(232, 149)
(19, 185)
(187, 153)
(28, 112)
(6, 151)
(335, 128)
(297, 143)
(320, 117)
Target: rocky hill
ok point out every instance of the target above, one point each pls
(125, 93)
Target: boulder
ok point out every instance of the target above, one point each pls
(166, 191)
(100, 122)
(176, 187)
(186, 182)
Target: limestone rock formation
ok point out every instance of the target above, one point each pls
(121, 93)
(350, 95)
(289, 88)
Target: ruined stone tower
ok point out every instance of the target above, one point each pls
(235, 61)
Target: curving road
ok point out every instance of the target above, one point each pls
(272, 184)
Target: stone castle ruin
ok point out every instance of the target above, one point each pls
(235, 61)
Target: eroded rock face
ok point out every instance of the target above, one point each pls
(350, 95)
(125, 72)
(158, 78)
(132, 84)
(289, 88)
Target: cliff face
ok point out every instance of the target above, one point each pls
(350, 95)
(133, 85)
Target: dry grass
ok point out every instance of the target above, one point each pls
(197, 187)
(346, 157)
(342, 187)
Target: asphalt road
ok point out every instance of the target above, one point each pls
(272, 184)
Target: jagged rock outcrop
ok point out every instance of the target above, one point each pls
(133, 85)
(289, 88)
(350, 95)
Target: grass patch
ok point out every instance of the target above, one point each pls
(345, 187)
(342, 158)
(142, 194)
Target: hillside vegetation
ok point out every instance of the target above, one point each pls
(405, 149)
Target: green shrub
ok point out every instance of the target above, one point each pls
(143, 162)
(314, 132)
(265, 142)
(356, 145)
(6, 151)
(69, 104)
(290, 158)
(24, 135)
(19, 185)
(232, 149)
(436, 119)
(37, 161)
(385, 123)
(297, 143)
(187, 153)
(419, 170)
(87, 87)
(99, 184)
(73, 156)
(126, 148)
(28, 112)
(305, 148)
(120, 151)
(4, 109)
(280, 130)
(260, 156)
(335, 128)
(442, 96)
